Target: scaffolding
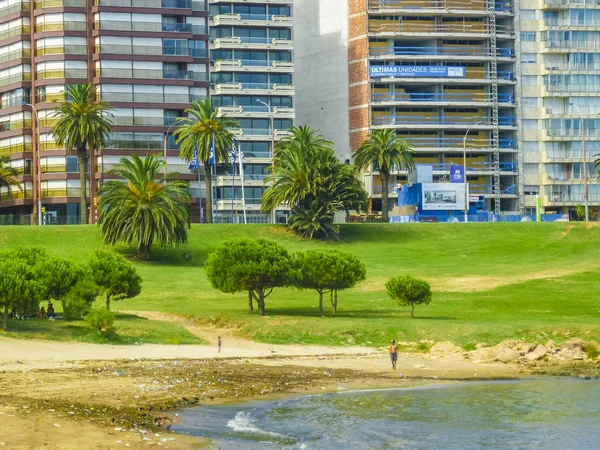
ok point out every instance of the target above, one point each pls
(495, 113)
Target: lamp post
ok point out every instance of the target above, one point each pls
(465, 169)
(272, 117)
(37, 170)
(165, 148)
(585, 180)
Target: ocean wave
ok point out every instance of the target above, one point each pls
(243, 423)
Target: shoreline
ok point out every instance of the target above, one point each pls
(121, 403)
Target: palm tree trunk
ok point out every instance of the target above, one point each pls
(82, 156)
(385, 178)
(209, 199)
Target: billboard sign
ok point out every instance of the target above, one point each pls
(457, 173)
(443, 196)
(416, 71)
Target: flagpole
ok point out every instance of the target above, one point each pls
(233, 171)
(242, 179)
(200, 195)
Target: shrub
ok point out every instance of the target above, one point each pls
(409, 291)
(101, 320)
(78, 302)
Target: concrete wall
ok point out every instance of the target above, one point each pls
(321, 69)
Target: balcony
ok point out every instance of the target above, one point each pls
(572, 133)
(428, 28)
(15, 194)
(9, 101)
(154, 50)
(263, 20)
(14, 8)
(255, 111)
(258, 134)
(237, 42)
(16, 54)
(142, 121)
(126, 97)
(560, 46)
(254, 88)
(15, 78)
(62, 73)
(62, 50)
(60, 3)
(474, 168)
(12, 125)
(60, 192)
(427, 6)
(572, 67)
(435, 98)
(8, 150)
(168, 4)
(148, 74)
(466, 51)
(558, 199)
(455, 143)
(565, 4)
(439, 120)
(252, 65)
(567, 89)
(60, 26)
(15, 31)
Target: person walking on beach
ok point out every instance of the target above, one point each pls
(219, 344)
(394, 354)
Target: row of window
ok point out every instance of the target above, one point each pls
(252, 100)
(250, 33)
(252, 10)
(251, 55)
(257, 79)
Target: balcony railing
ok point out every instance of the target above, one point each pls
(461, 50)
(151, 50)
(15, 31)
(14, 8)
(251, 86)
(62, 50)
(59, 3)
(16, 54)
(573, 66)
(9, 101)
(143, 121)
(152, 74)
(254, 63)
(477, 5)
(573, 132)
(60, 26)
(572, 198)
(574, 88)
(236, 40)
(171, 4)
(457, 142)
(11, 125)
(15, 148)
(62, 73)
(475, 97)
(15, 78)
(15, 194)
(253, 17)
(147, 97)
(413, 26)
(440, 120)
(478, 167)
(60, 192)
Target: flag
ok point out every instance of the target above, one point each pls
(194, 164)
(211, 158)
(233, 153)
(457, 173)
(240, 161)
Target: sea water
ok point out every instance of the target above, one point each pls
(549, 413)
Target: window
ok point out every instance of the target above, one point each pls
(528, 58)
(527, 14)
(529, 80)
(528, 36)
(280, 33)
(282, 102)
(279, 11)
(531, 189)
(531, 168)
(280, 56)
(529, 102)
(530, 124)
(531, 146)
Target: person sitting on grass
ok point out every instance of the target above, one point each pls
(42, 313)
(51, 314)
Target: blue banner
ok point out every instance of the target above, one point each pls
(194, 163)
(211, 157)
(457, 174)
(416, 71)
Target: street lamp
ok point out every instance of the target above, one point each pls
(272, 116)
(585, 180)
(465, 169)
(37, 170)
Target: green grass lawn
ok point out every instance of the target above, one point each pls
(491, 281)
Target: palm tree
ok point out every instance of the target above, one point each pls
(145, 208)
(383, 149)
(83, 125)
(294, 173)
(308, 177)
(199, 130)
(8, 174)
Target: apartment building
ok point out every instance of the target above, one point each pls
(560, 61)
(434, 71)
(251, 74)
(148, 58)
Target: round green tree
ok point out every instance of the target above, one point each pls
(409, 291)
(254, 265)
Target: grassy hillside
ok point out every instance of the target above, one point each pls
(491, 282)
